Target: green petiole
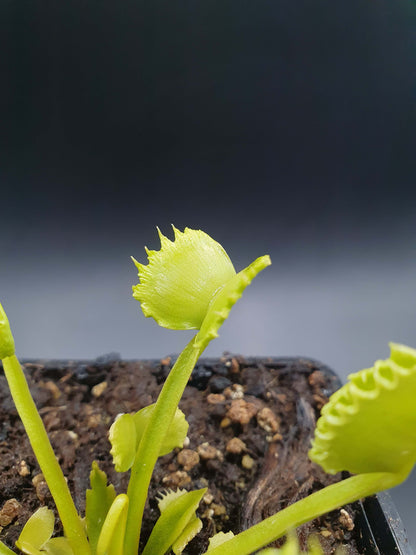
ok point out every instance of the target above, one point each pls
(191, 284)
(375, 401)
(215, 305)
(74, 529)
(305, 510)
(4, 550)
(151, 441)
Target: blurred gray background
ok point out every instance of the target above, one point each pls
(283, 127)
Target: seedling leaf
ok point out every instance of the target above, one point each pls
(122, 436)
(57, 546)
(4, 550)
(218, 539)
(36, 532)
(177, 512)
(127, 430)
(175, 435)
(111, 538)
(98, 502)
(190, 531)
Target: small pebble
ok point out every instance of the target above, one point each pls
(346, 520)
(188, 458)
(9, 511)
(235, 446)
(215, 398)
(267, 420)
(236, 391)
(317, 379)
(208, 498)
(37, 479)
(177, 479)
(225, 422)
(218, 509)
(241, 411)
(208, 452)
(41, 487)
(325, 533)
(94, 420)
(23, 469)
(233, 365)
(247, 462)
(99, 389)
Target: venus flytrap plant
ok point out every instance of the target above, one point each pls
(367, 428)
(36, 537)
(189, 284)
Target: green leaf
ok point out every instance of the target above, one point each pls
(57, 546)
(98, 502)
(122, 436)
(175, 435)
(36, 532)
(369, 425)
(28, 548)
(177, 511)
(218, 539)
(193, 527)
(111, 539)
(178, 284)
(127, 430)
(4, 550)
(6, 337)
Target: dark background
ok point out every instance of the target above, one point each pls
(282, 127)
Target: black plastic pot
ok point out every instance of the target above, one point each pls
(381, 528)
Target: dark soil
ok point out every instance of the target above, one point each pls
(250, 424)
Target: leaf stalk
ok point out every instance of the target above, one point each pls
(45, 455)
(151, 442)
(318, 503)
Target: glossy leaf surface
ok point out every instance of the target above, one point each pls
(37, 531)
(6, 337)
(178, 284)
(369, 425)
(111, 537)
(127, 430)
(177, 512)
(98, 502)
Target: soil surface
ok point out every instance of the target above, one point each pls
(250, 424)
